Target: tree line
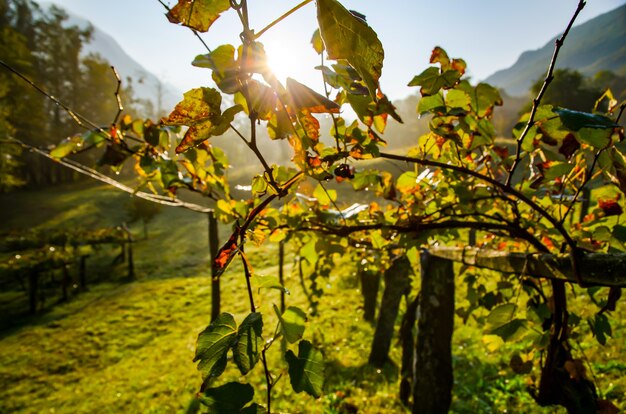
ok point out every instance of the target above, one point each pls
(42, 44)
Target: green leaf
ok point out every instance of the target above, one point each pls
(597, 138)
(501, 315)
(222, 62)
(349, 37)
(432, 80)
(268, 282)
(575, 120)
(67, 146)
(458, 99)
(292, 323)
(306, 371)
(601, 327)
(509, 331)
(213, 344)
(228, 398)
(484, 98)
(249, 343)
(323, 196)
(317, 42)
(197, 14)
(433, 103)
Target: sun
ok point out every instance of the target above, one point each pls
(286, 60)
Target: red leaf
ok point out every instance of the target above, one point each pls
(610, 207)
(226, 253)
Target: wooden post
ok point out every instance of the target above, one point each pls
(370, 283)
(215, 281)
(396, 284)
(432, 392)
(281, 274)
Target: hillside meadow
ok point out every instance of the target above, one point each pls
(127, 346)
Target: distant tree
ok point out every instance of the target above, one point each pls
(140, 209)
(570, 89)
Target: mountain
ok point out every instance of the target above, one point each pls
(599, 44)
(145, 84)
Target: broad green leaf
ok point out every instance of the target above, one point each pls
(484, 98)
(557, 169)
(433, 103)
(575, 120)
(222, 62)
(597, 138)
(268, 282)
(510, 330)
(67, 146)
(292, 323)
(213, 345)
(324, 196)
(601, 327)
(304, 98)
(407, 182)
(197, 14)
(349, 37)
(229, 398)
(309, 252)
(432, 80)
(501, 315)
(306, 371)
(249, 342)
(317, 42)
(456, 98)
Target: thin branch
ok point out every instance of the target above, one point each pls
(79, 119)
(548, 79)
(118, 98)
(503, 187)
(89, 172)
(281, 18)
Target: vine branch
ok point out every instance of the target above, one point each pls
(548, 79)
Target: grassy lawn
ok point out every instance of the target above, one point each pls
(127, 347)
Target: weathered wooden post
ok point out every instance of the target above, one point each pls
(432, 383)
(215, 281)
(370, 283)
(396, 284)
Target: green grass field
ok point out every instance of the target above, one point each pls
(127, 347)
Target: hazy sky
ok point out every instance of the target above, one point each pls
(488, 34)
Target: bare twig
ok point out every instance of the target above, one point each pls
(281, 18)
(90, 172)
(118, 98)
(548, 79)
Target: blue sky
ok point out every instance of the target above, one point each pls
(488, 34)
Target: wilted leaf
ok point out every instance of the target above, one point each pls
(200, 110)
(349, 37)
(306, 371)
(197, 14)
(213, 345)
